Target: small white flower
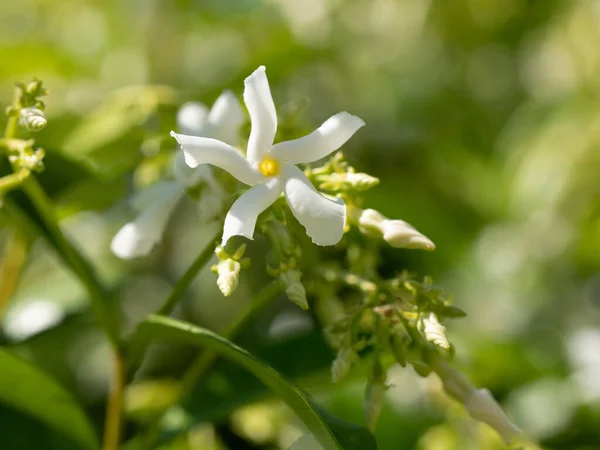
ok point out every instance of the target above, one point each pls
(270, 168)
(156, 204)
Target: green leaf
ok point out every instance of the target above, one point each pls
(331, 433)
(306, 442)
(26, 388)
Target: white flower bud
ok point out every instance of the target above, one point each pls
(361, 181)
(229, 276)
(370, 222)
(400, 234)
(435, 332)
(33, 119)
(294, 288)
(482, 406)
(478, 402)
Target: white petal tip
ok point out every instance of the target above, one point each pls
(353, 120)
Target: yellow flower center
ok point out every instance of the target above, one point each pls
(269, 167)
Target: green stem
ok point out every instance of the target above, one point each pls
(188, 277)
(106, 315)
(12, 125)
(112, 426)
(12, 181)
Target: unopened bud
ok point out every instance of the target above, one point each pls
(33, 119)
(361, 181)
(482, 406)
(400, 234)
(343, 362)
(373, 403)
(294, 288)
(229, 276)
(435, 332)
(399, 341)
(370, 222)
(479, 402)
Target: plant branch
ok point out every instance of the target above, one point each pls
(114, 410)
(188, 277)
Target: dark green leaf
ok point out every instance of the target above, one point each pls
(26, 388)
(333, 434)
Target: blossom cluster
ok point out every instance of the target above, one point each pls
(397, 315)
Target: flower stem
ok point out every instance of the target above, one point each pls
(188, 277)
(114, 409)
(107, 316)
(15, 255)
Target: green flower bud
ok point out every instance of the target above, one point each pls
(294, 288)
(399, 341)
(344, 360)
(373, 402)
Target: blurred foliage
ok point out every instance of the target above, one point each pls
(483, 127)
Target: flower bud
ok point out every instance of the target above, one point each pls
(400, 234)
(361, 181)
(478, 402)
(370, 222)
(294, 288)
(399, 341)
(33, 119)
(342, 363)
(373, 403)
(435, 332)
(229, 276)
(481, 406)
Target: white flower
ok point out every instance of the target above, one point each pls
(270, 168)
(155, 204)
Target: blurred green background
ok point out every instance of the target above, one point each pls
(482, 124)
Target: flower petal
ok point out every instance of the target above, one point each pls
(201, 150)
(258, 99)
(322, 218)
(241, 218)
(226, 117)
(330, 136)
(192, 118)
(138, 238)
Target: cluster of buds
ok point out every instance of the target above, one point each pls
(23, 157)
(339, 177)
(228, 268)
(397, 233)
